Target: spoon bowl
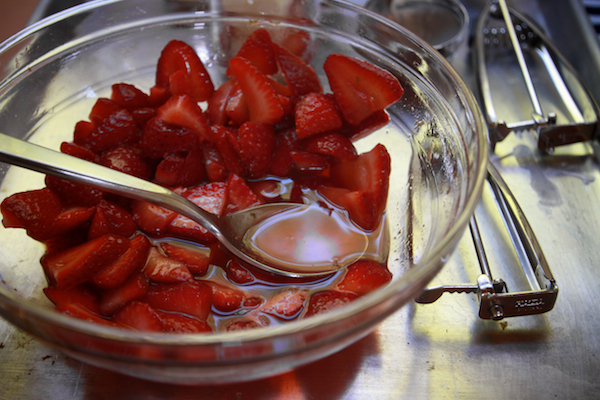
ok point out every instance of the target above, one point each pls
(233, 230)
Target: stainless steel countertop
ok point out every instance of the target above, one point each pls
(442, 350)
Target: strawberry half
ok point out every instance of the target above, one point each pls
(195, 258)
(258, 49)
(31, 209)
(256, 145)
(360, 88)
(179, 323)
(179, 56)
(191, 298)
(239, 195)
(183, 111)
(132, 261)
(138, 316)
(151, 218)
(162, 269)
(327, 300)
(316, 113)
(363, 277)
(299, 76)
(286, 304)
(331, 144)
(127, 159)
(160, 138)
(128, 96)
(135, 288)
(111, 218)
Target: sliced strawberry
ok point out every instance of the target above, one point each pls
(360, 88)
(192, 298)
(179, 56)
(79, 295)
(236, 107)
(30, 210)
(256, 143)
(69, 219)
(80, 312)
(309, 162)
(363, 277)
(102, 109)
(83, 129)
(151, 218)
(226, 299)
(138, 316)
(111, 218)
(168, 170)
(375, 121)
(238, 273)
(179, 323)
(297, 74)
(226, 139)
(127, 159)
(316, 113)
(296, 42)
(282, 161)
(73, 193)
(262, 100)
(179, 84)
(239, 195)
(118, 128)
(211, 197)
(70, 239)
(214, 163)
(135, 288)
(128, 96)
(286, 304)
(159, 95)
(183, 111)
(76, 265)
(143, 115)
(132, 261)
(218, 102)
(160, 138)
(331, 144)
(78, 151)
(361, 205)
(162, 269)
(196, 258)
(193, 171)
(241, 325)
(258, 49)
(327, 300)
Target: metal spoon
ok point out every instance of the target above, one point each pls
(230, 230)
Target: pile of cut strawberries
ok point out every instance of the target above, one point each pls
(268, 133)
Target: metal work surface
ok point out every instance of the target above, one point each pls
(441, 350)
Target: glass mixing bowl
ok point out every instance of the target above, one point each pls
(52, 73)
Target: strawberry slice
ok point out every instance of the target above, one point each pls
(143, 115)
(118, 128)
(162, 269)
(127, 159)
(179, 84)
(135, 288)
(228, 146)
(80, 312)
(375, 121)
(297, 74)
(214, 163)
(258, 49)
(80, 295)
(68, 220)
(131, 261)
(111, 218)
(238, 273)
(78, 151)
(73, 193)
(256, 144)
(241, 325)
(236, 108)
(282, 161)
(196, 258)
(363, 277)
(331, 144)
(286, 304)
(139, 316)
(239, 195)
(183, 111)
(327, 300)
(31, 209)
(191, 298)
(159, 95)
(218, 102)
(226, 299)
(309, 162)
(102, 109)
(76, 265)
(193, 171)
(316, 113)
(360, 88)
(179, 323)
(179, 56)
(168, 170)
(262, 100)
(128, 96)
(151, 218)
(160, 138)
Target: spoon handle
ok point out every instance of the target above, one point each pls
(37, 158)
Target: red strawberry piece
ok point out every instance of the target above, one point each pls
(159, 95)
(282, 89)
(226, 299)
(179, 56)
(258, 49)
(256, 143)
(128, 96)
(296, 42)
(143, 115)
(218, 102)
(236, 108)
(73, 193)
(286, 304)
(132, 261)
(183, 111)
(297, 74)
(80, 295)
(238, 273)
(327, 300)
(162, 269)
(151, 218)
(214, 163)
(309, 162)
(196, 258)
(127, 159)
(372, 123)
(80, 312)
(78, 151)
(211, 197)
(135, 288)
(30, 210)
(83, 129)
(118, 128)
(193, 171)
(191, 298)
(331, 144)
(138, 316)
(69, 219)
(111, 218)
(262, 100)
(367, 179)
(360, 88)
(226, 139)
(70, 239)
(160, 138)
(282, 161)
(168, 170)
(179, 323)
(316, 113)
(102, 109)
(239, 194)
(179, 84)
(241, 325)
(76, 265)
(363, 277)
